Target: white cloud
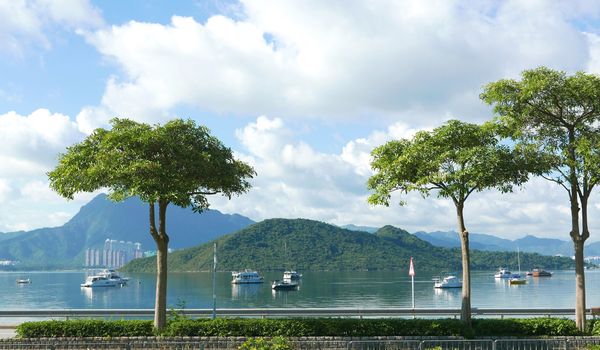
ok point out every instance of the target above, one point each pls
(91, 118)
(338, 59)
(31, 144)
(24, 22)
(295, 180)
(5, 190)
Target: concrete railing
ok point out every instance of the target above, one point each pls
(288, 312)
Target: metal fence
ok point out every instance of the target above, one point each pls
(431, 344)
(478, 344)
(290, 312)
(116, 345)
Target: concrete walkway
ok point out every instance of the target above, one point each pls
(7, 331)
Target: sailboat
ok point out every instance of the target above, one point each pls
(517, 279)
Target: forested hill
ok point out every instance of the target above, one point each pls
(313, 245)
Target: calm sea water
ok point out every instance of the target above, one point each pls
(365, 289)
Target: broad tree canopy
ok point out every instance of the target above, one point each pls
(558, 116)
(179, 163)
(455, 159)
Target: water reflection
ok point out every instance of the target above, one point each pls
(245, 291)
(319, 289)
(447, 294)
(95, 296)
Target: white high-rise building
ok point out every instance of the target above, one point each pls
(114, 255)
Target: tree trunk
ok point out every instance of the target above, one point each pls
(465, 311)
(577, 238)
(579, 285)
(162, 247)
(578, 245)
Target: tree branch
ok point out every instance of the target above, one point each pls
(548, 114)
(205, 193)
(556, 181)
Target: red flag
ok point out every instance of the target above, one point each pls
(411, 269)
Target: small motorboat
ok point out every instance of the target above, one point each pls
(23, 281)
(505, 273)
(517, 280)
(447, 282)
(284, 285)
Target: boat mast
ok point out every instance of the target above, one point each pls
(519, 261)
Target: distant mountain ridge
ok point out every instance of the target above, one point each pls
(314, 245)
(529, 243)
(487, 242)
(64, 246)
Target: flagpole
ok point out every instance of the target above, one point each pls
(214, 311)
(413, 290)
(411, 272)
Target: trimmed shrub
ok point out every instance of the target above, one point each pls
(275, 343)
(85, 328)
(252, 327)
(525, 327)
(315, 327)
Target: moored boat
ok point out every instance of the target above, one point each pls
(23, 281)
(246, 277)
(284, 285)
(540, 273)
(99, 281)
(504, 273)
(291, 275)
(515, 280)
(447, 282)
(113, 276)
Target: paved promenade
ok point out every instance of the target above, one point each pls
(7, 331)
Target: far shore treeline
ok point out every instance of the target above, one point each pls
(317, 246)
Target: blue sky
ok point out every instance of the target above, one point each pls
(301, 90)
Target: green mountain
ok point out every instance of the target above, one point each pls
(313, 245)
(64, 246)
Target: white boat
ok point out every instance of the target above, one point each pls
(291, 275)
(23, 281)
(246, 277)
(284, 285)
(447, 282)
(113, 276)
(505, 273)
(99, 281)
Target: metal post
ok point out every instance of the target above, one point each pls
(411, 273)
(214, 311)
(412, 278)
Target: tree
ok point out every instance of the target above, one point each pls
(177, 163)
(557, 115)
(455, 160)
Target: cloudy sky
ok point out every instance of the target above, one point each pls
(302, 90)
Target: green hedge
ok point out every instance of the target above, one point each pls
(533, 327)
(314, 327)
(525, 327)
(85, 328)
